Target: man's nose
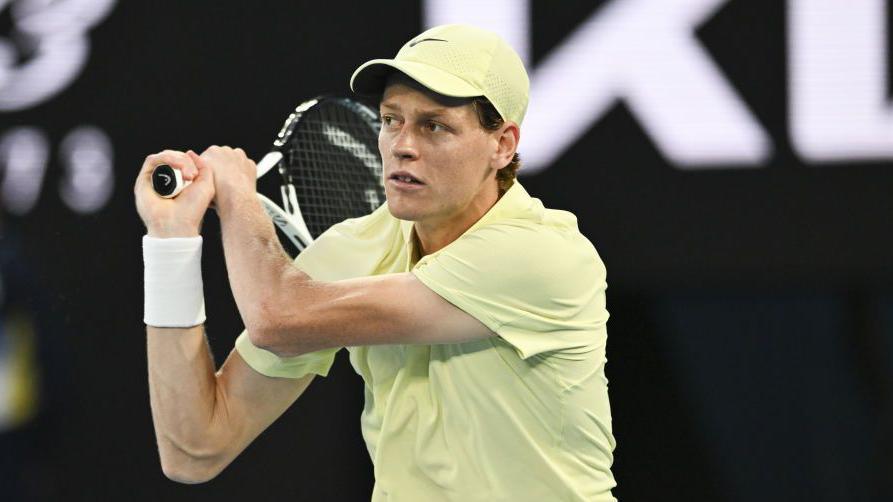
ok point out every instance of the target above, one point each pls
(404, 145)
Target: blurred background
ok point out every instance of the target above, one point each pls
(729, 159)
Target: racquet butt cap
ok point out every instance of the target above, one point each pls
(456, 60)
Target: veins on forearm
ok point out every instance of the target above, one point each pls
(262, 276)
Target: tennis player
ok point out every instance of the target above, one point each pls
(475, 316)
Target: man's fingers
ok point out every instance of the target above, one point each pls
(203, 172)
(197, 160)
(176, 159)
(216, 149)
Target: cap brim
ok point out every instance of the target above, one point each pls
(370, 78)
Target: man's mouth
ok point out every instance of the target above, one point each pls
(405, 178)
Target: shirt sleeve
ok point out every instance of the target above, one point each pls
(540, 289)
(271, 365)
(352, 248)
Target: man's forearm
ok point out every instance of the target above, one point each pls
(183, 396)
(260, 273)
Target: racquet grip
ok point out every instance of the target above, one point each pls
(168, 181)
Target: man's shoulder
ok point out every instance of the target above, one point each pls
(525, 254)
(547, 232)
(521, 216)
(542, 249)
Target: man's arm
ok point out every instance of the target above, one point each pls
(203, 419)
(288, 313)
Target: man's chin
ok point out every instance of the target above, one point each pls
(403, 213)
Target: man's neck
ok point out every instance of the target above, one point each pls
(432, 236)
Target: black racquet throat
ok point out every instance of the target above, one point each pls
(327, 155)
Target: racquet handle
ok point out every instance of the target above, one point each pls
(168, 181)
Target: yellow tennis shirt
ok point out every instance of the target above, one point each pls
(519, 416)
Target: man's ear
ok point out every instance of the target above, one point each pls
(507, 138)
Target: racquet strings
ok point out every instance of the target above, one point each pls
(333, 162)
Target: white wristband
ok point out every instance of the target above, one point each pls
(173, 282)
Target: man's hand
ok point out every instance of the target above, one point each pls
(235, 175)
(180, 216)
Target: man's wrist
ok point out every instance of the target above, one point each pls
(173, 282)
(171, 229)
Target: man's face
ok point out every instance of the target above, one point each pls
(442, 146)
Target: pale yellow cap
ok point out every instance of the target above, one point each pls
(456, 60)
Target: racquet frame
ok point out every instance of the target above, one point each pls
(288, 217)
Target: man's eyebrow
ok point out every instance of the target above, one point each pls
(434, 113)
(427, 114)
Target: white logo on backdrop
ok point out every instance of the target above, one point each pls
(43, 54)
(838, 66)
(645, 53)
(54, 36)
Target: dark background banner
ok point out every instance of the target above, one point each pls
(751, 300)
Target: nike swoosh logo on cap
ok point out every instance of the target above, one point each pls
(413, 44)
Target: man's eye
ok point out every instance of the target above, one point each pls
(435, 127)
(387, 120)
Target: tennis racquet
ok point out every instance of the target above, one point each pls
(327, 156)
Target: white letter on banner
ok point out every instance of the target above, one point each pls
(86, 153)
(641, 51)
(56, 33)
(24, 153)
(838, 65)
